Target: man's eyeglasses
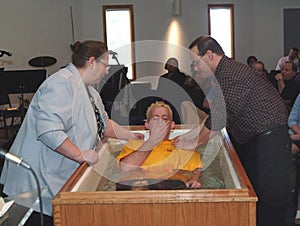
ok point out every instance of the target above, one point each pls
(196, 62)
(107, 67)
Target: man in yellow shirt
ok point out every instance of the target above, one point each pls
(158, 153)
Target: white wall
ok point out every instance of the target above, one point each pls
(32, 28)
(268, 28)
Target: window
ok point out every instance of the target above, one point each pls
(221, 27)
(119, 34)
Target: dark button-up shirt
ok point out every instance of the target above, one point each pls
(246, 103)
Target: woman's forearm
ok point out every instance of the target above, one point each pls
(114, 130)
(70, 150)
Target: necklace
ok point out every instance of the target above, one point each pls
(100, 124)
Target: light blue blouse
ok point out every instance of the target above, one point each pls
(294, 117)
(60, 108)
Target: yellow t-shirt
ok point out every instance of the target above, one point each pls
(165, 154)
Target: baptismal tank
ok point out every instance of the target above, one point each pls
(90, 196)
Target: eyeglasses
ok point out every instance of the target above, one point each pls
(107, 67)
(196, 62)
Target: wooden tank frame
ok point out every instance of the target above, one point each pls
(82, 205)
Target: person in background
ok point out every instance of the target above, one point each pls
(292, 56)
(174, 73)
(174, 79)
(255, 117)
(288, 87)
(259, 67)
(251, 60)
(62, 127)
(196, 93)
(157, 152)
(169, 81)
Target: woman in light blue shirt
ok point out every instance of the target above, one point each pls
(294, 124)
(62, 127)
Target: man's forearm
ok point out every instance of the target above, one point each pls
(281, 85)
(135, 159)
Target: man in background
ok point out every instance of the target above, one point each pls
(292, 56)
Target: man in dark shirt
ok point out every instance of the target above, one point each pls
(173, 72)
(288, 87)
(255, 117)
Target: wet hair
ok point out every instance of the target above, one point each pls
(82, 51)
(205, 43)
(159, 104)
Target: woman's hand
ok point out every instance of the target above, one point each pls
(71, 151)
(89, 156)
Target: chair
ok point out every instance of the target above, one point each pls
(7, 112)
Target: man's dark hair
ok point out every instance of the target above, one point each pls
(295, 49)
(250, 58)
(205, 43)
(294, 66)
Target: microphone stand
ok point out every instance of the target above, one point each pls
(124, 70)
(114, 56)
(39, 195)
(22, 109)
(15, 159)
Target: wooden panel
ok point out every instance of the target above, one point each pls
(189, 214)
(159, 196)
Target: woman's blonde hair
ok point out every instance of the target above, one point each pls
(159, 104)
